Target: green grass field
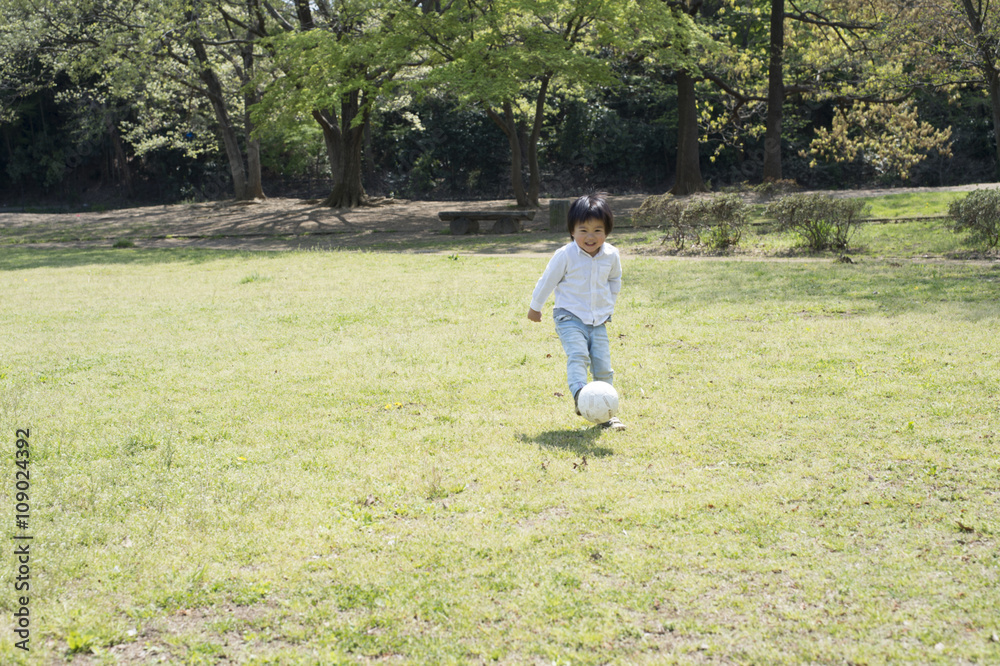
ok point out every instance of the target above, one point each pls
(913, 204)
(341, 457)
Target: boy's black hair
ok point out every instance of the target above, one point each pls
(589, 207)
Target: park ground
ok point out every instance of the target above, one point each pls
(296, 224)
(365, 454)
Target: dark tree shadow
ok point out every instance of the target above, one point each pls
(14, 258)
(581, 442)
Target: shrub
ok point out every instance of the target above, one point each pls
(664, 211)
(773, 188)
(719, 220)
(824, 223)
(978, 216)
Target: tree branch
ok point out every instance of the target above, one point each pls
(818, 19)
(285, 25)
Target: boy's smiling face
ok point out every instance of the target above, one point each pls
(589, 235)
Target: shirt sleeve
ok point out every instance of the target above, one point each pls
(615, 276)
(546, 284)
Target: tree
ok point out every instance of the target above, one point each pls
(984, 28)
(874, 49)
(505, 56)
(961, 39)
(899, 142)
(846, 54)
(233, 41)
(775, 91)
(509, 56)
(334, 64)
(152, 51)
(54, 118)
(688, 178)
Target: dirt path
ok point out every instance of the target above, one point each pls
(288, 224)
(273, 224)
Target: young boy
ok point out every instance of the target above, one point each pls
(586, 275)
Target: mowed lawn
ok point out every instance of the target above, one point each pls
(339, 457)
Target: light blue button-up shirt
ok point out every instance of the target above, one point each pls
(584, 285)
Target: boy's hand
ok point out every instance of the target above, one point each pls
(534, 315)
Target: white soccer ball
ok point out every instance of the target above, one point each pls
(597, 402)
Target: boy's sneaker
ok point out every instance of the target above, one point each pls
(575, 403)
(613, 424)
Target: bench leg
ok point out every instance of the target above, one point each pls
(461, 226)
(507, 227)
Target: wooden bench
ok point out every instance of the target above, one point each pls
(467, 221)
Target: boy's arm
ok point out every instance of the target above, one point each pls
(554, 272)
(615, 276)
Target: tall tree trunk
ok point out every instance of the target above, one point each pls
(217, 97)
(534, 174)
(343, 147)
(304, 15)
(368, 163)
(343, 138)
(508, 124)
(775, 93)
(255, 184)
(255, 181)
(231, 142)
(994, 80)
(121, 172)
(689, 178)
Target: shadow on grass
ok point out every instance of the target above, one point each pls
(13, 258)
(582, 442)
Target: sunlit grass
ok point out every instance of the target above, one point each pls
(320, 457)
(916, 238)
(909, 205)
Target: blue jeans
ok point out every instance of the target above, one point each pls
(586, 348)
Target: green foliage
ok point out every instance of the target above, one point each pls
(525, 62)
(81, 643)
(978, 217)
(128, 72)
(666, 212)
(889, 139)
(434, 149)
(823, 222)
(617, 137)
(502, 51)
(295, 150)
(719, 220)
(354, 52)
